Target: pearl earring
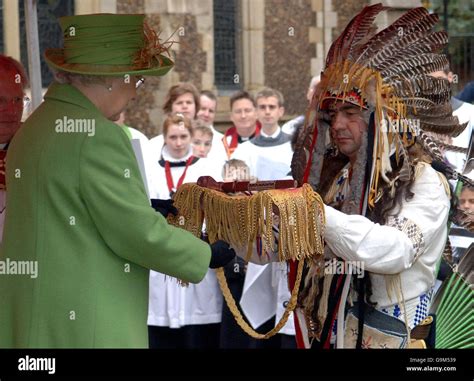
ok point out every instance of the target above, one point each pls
(109, 88)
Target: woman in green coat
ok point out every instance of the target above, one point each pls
(77, 207)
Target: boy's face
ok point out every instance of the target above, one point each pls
(466, 200)
(269, 111)
(207, 111)
(202, 144)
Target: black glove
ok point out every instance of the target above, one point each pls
(235, 269)
(221, 254)
(164, 207)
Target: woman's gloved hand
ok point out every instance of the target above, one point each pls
(164, 207)
(221, 254)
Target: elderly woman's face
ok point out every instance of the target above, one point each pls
(123, 91)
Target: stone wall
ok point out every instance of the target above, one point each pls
(189, 24)
(190, 57)
(346, 10)
(288, 50)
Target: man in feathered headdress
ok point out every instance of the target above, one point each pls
(368, 149)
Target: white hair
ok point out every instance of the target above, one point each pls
(64, 77)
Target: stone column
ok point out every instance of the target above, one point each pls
(11, 29)
(83, 7)
(253, 25)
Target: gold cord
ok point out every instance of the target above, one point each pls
(238, 316)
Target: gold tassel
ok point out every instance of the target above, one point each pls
(239, 220)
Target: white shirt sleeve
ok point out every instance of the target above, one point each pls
(386, 249)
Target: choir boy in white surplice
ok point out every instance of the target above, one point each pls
(207, 114)
(182, 317)
(268, 157)
(269, 154)
(182, 98)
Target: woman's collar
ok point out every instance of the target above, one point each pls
(165, 154)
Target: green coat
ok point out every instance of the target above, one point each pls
(77, 206)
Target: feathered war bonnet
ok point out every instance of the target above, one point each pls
(387, 74)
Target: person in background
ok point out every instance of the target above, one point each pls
(207, 114)
(466, 200)
(243, 115)
(182, 317)
(182, 98)
(269, 154)
(236, 170)
(13, 81)
(202, 137)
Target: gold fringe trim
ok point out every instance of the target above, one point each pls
(239, 220)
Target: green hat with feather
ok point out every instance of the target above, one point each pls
(109, 45)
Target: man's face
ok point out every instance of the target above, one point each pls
(244, 117)
(347, 128)
(207, 112)
(11, 104)
(185, 105)
(466, 200)
(269, 112)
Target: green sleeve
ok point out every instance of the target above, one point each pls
(113, 191)
(127, 131)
